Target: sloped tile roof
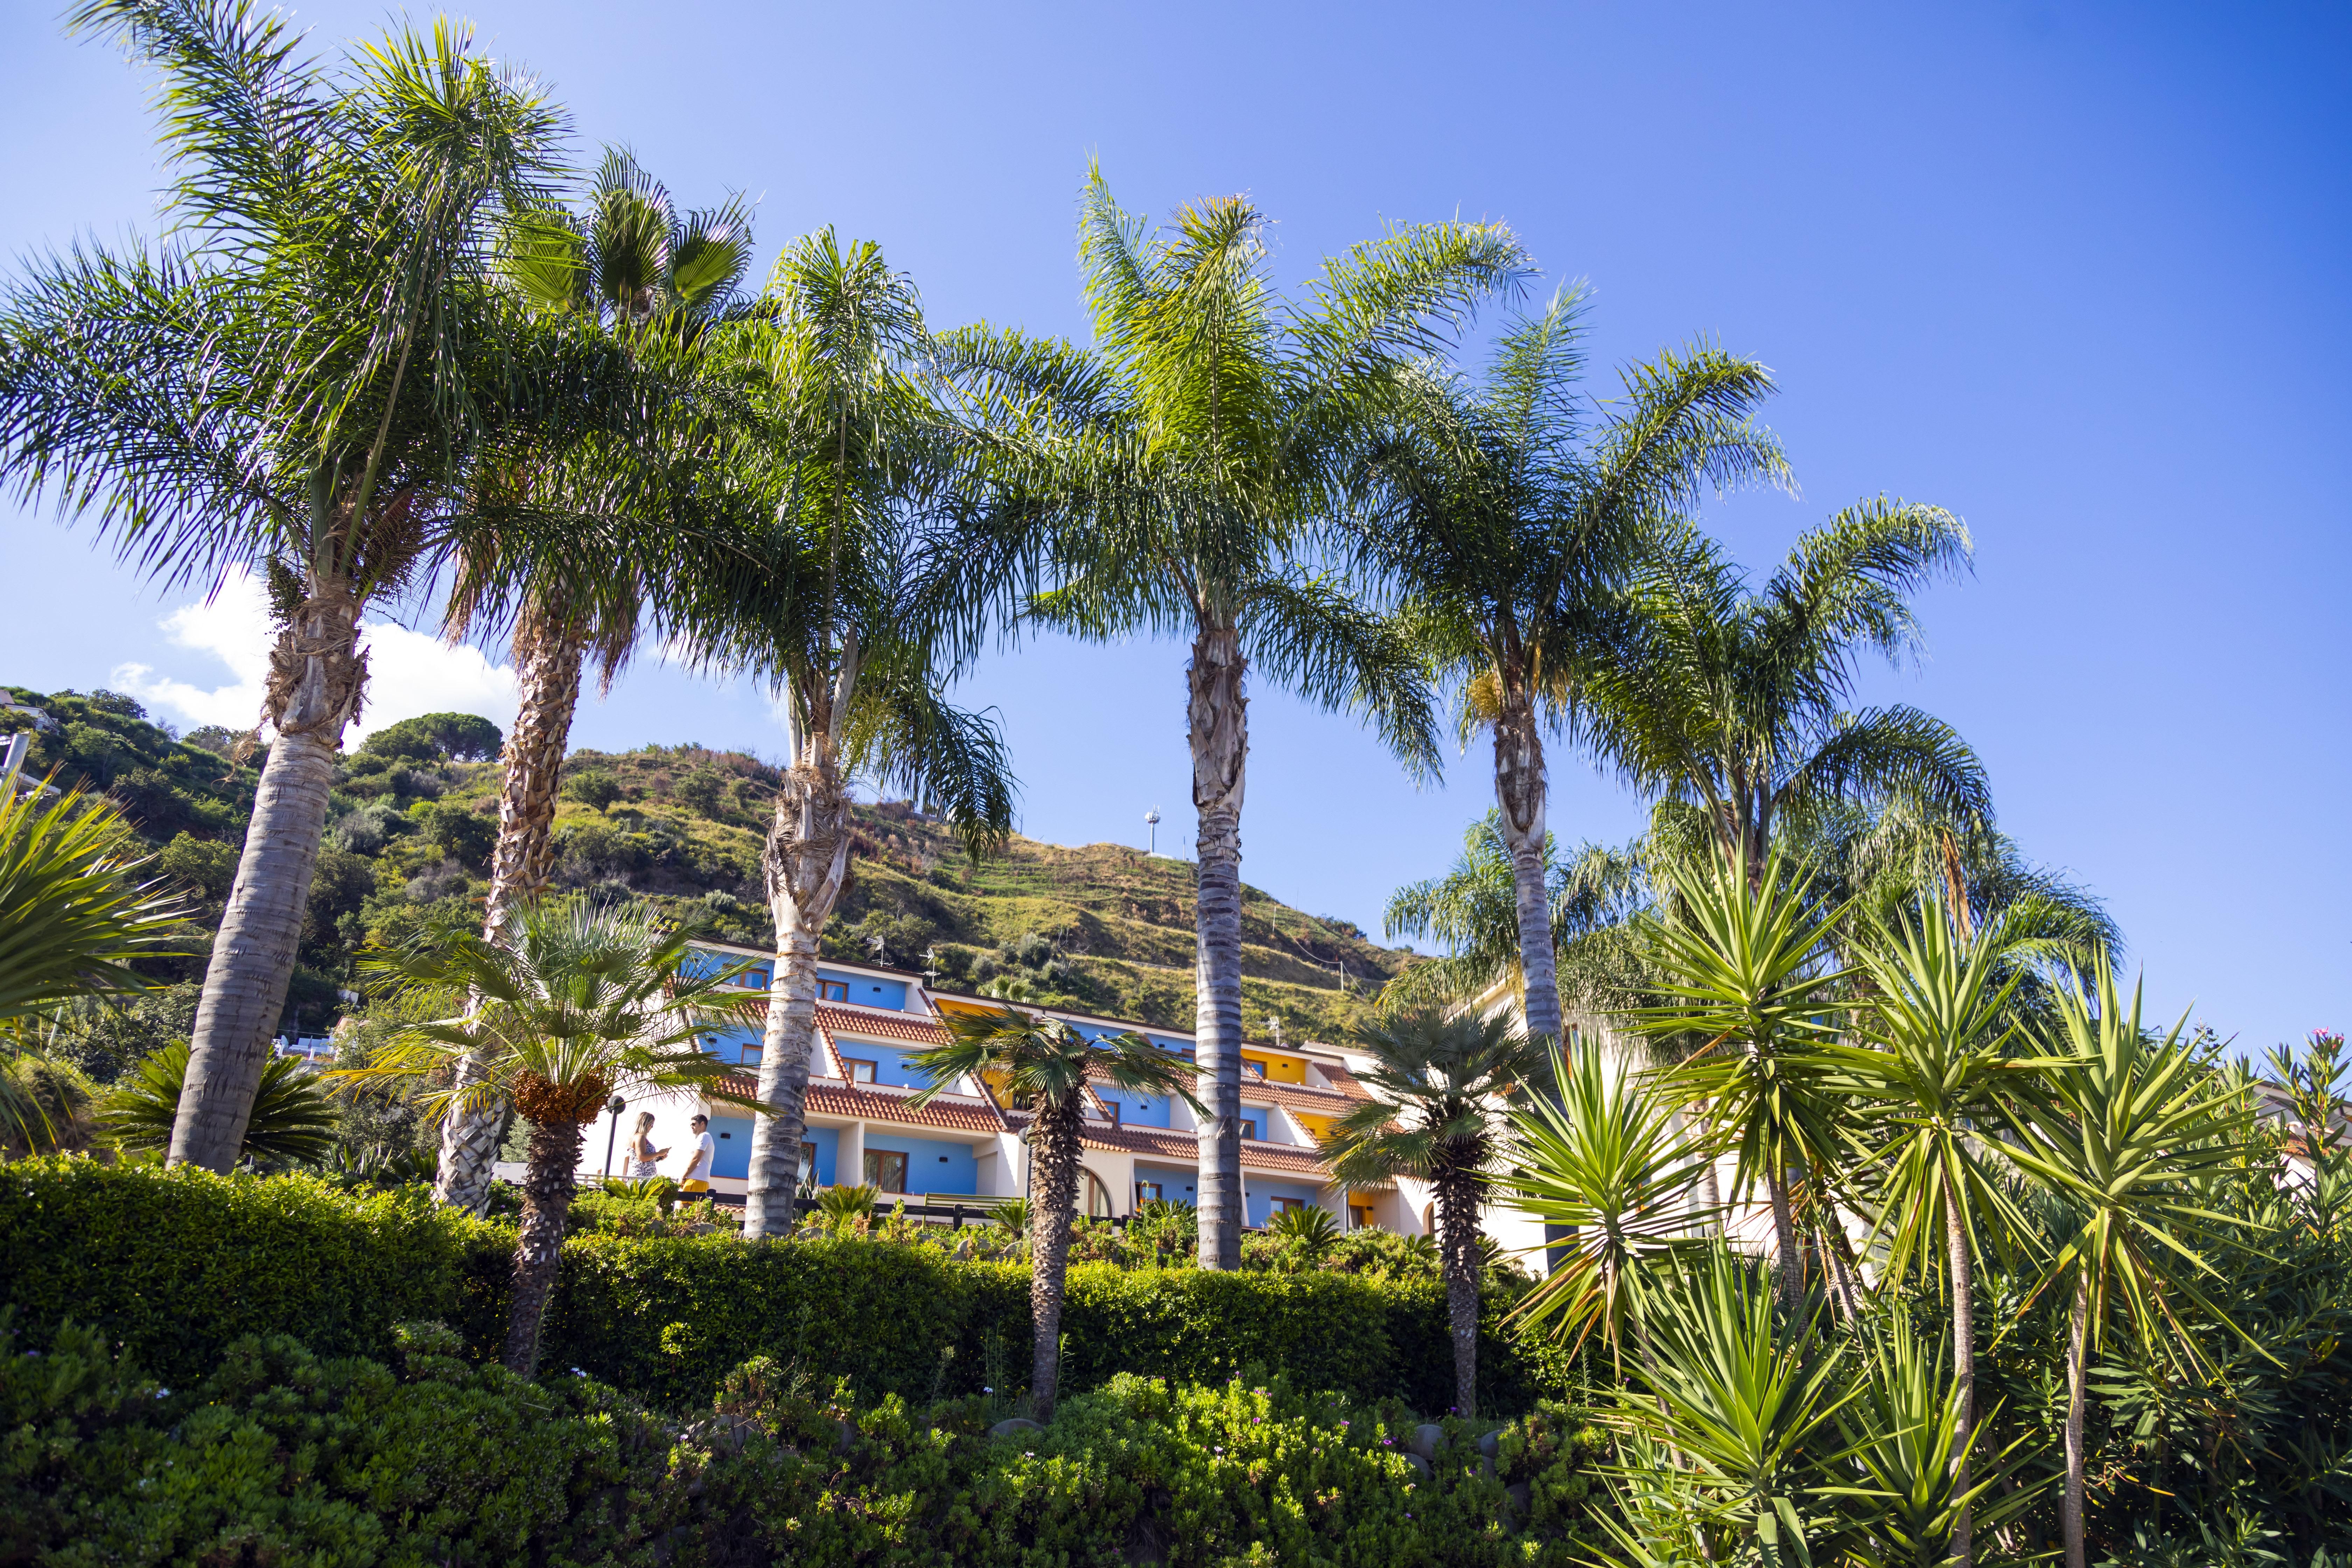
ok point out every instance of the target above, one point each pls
(838, 1099)
(1163, 1144)
(908, 1027)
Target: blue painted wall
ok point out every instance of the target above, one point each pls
(890, 1061)
(1136, 1109)
(1176, 1182)
(702, 962)
(866, 991)
(733, 1135)
(1261, 1191)
(932, 1166)
(729, 1043)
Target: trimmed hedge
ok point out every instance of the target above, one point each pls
(177, 1265)
(174, 1265)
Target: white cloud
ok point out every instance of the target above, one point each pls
(408, 672)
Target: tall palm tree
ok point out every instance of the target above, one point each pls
(1042, 1066)
(295, 384)
(1442, 1086)
(1602, 1160)
(1729, 704)
(651, 279)
(2122, 1127)
(1739, 956)
(1508, 515)
(1180, 465)
(576, 1002)
(849, 476)
(1939, 1018)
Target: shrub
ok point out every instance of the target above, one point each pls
(174, 1265)
(281, 1454)
(594, 787)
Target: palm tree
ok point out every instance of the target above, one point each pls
(652, 280)
(1508, 516)
(1473, 913)
(1442, 1087)
(1940, 1017)
(75, 914)
(295, 384)
(1602, 1160)
(1729, 704)
(1739, 954)
(2121, 1127)
(1042, 1066)
(1179, 464)
(833, 599)
(577, 1003)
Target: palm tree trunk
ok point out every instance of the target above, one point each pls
(547, 671)
(1217, 715)
(1964, 1368)
(316, 674)
(538, 1241)
(807, 855)
(1457, 1225)
(1520, 789)
(2077, 1377)
(1054, 1192)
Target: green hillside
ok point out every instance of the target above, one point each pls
(1101, 928)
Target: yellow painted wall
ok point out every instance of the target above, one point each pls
(1318, 1127)
(1278, 1068)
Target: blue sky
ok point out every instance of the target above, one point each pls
(2077, 272)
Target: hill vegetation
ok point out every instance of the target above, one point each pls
(1101, 928)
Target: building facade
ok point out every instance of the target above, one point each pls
(966, 1143)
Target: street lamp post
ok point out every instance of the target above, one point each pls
(617, 1106)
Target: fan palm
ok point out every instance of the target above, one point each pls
(293, 1120)
(652, 280)
(578, 1002)
(2121, 1129)
(1442, 1087)
(1731, 704)
(1938, 1013)
(1508, 516)
(1738, 953)
(1044, 1064)
(1176, 467)
(74, 916)
(833, 599)
(1602, 1160)
(295, 384)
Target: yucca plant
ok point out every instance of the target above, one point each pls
(2120, 1131)
(842, 1207)
(1745, 1400)
(1739, 957)
(1603, 1164)
(578, 1001)
(293, 1120)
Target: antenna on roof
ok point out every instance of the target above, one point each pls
(1152, 821)
(1273, 1027)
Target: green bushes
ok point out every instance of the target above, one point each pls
(283, 1455)
(174, 1265)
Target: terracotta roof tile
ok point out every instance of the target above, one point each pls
(909, 1026)
(835, 1099)
(1168, 1145)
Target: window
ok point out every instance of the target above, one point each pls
(859, 1072)
(1097, 1198)
(885, 1170)
(1146, 1193)
(808, 1160)
(1285, 1206)
(1360, 1216)
(833, 991)
(751, 1054)
(1256, 1070)
(1249, 1127)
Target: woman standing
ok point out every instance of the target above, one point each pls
(645, 1160)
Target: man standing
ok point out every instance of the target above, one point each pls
(698, 1169)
